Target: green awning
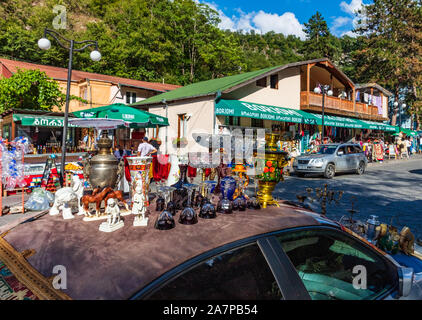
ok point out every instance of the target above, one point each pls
(135, 117)
(236, 108)
(409, 132)
(40, 120)
(341, 122)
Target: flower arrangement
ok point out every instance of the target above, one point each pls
(271, 172)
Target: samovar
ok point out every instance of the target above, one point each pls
(275, 161)
(103, 170)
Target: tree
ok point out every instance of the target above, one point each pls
(320, 43)
(392, 46)
(30, 89)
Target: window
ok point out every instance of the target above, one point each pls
(232, 121)
(130, 97)
(84, 95)
(274, 81)
(258, 123)
(341, 150)
(240, 274)
(262, 82)
(181, 125)
(325, 260)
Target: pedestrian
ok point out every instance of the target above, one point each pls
(119, 153)
(409, 146)
(145, 149)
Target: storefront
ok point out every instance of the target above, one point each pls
(298, 130)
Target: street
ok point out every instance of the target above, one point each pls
(388, 190)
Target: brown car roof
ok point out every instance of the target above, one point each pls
(116, 265)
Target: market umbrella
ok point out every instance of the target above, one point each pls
(99, 123)
(135, 118)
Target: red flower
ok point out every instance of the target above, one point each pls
(272, 169)
(266, 170)
(269, 164)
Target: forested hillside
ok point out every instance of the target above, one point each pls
(178, 41)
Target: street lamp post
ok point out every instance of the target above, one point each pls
(95, 55)
(325, 90)
(401, 106)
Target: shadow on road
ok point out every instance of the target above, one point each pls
(389, 194)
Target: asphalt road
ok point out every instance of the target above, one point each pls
(391, 190)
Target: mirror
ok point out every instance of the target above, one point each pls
(340, 153)
(406, 276)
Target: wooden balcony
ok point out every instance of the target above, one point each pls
(310, 101)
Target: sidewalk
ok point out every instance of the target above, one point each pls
(11, 220)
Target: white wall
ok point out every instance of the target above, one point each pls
(287, 95)
(201, 111)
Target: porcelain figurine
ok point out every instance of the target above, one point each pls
(78, 189)
(139, 208)
(62, 200)
(114, 222)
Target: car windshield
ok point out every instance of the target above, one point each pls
(323, 149)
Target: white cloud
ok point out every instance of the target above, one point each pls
(351, 7)
(261, 22)
(286, 24)
(342, 25)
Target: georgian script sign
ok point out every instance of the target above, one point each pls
(40, 121)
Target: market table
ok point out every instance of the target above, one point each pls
(115, 265)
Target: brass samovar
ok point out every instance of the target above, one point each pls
(275, 161)
(103, 170)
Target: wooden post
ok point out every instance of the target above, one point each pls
(23, 188)
(308, 78)
(1, 185)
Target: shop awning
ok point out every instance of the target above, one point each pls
(39, 120)
(341, 122)
(409, 132)
(136, 118)
(236, 108)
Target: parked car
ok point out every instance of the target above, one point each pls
(277, 253)
(329, 159)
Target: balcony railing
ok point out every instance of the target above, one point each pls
(313, 102)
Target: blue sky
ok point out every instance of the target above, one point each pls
(285, 16)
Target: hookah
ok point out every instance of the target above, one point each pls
(168, 196)
(188, 215)
(208, 210)
(161, 201)
(225, 205)
(240, 202)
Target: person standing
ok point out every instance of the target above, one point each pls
(145, 149)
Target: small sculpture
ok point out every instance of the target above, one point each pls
(78, 189)
(62, 199)
(114, 221)
(139, 208)
(96, 198)
(116, 195)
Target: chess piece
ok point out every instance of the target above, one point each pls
(114, 222)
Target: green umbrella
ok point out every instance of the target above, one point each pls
(134, 117)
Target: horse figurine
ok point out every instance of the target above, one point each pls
(116, 195)
(96, 197)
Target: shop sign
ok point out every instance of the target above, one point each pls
(28, 120)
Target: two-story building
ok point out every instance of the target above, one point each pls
(280, 99)
(96, 89)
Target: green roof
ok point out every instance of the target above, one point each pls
(205, 88)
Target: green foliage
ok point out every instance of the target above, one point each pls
(30, 89)
(320, 43)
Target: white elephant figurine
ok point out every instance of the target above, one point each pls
(78, 189)
(62, 200)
